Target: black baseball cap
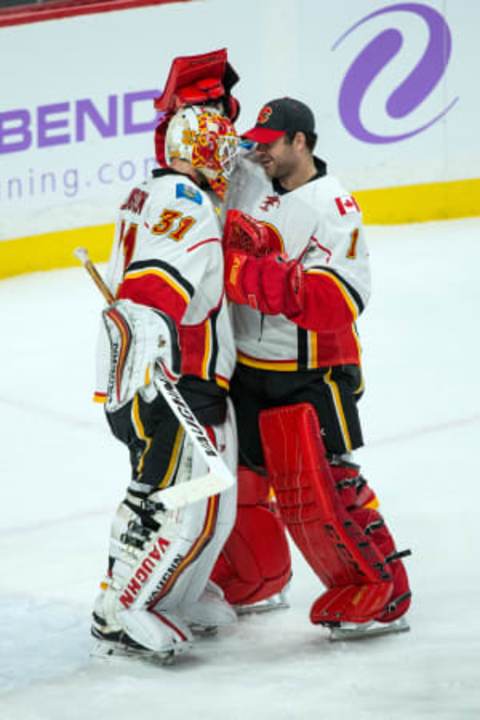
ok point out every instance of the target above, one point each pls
(280, 116)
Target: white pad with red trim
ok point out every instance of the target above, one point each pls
(358, 584)
(161, 559)
(209, 612)
(143, 561)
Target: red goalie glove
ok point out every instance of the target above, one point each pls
(242, 232)
(270, 284)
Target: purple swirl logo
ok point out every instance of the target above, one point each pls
(412, 91)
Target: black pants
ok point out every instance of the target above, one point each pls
(154, 436)
(334, 393)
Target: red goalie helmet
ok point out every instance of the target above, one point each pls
(206, 139)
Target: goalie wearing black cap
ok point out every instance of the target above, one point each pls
(297, 274)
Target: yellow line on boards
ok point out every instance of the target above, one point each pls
(53, 250)
(382, 206)
(420, 203)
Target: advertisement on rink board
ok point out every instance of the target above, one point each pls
(389, 83)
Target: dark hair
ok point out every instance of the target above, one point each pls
(310, 138)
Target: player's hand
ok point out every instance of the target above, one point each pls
(271, 284)
(242, 232)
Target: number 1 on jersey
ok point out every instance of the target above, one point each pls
(352, 249)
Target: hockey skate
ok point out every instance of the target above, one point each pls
(210, 612)
(117, 643)
(359, 631)
(112, 639)
(278, 601)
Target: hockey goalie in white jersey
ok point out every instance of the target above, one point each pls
(166, 274)
(297, 273)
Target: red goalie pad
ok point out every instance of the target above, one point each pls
(255, 562)
(358, 584)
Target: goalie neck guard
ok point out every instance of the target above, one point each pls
(207, 140)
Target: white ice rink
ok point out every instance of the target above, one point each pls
(63, 474)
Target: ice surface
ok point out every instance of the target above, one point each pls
(62, 475)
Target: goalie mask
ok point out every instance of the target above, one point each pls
(207, 140)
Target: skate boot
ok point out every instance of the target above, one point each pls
(159, 636)
(209, 612)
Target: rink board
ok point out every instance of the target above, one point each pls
(395, 110)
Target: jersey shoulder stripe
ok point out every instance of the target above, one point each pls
(165, 270)
(351, 296)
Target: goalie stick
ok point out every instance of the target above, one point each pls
(219, 477)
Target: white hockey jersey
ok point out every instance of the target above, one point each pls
(320, 225)
(167, 254)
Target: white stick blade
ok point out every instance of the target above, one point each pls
(197, 489)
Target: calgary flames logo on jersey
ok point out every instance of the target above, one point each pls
(270, 201)
(264, 115)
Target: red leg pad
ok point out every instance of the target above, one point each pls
(380, 535)
(401, 588)
(328, 536)
(253, 489)
(255, 562)
(360, 500)
(372, 522)
(355, 603)
(351, 493)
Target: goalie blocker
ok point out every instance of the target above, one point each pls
(257, 273)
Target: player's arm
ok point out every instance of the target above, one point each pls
(171, 254)
(322, 294)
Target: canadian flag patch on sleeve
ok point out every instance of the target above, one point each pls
(346, 204)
